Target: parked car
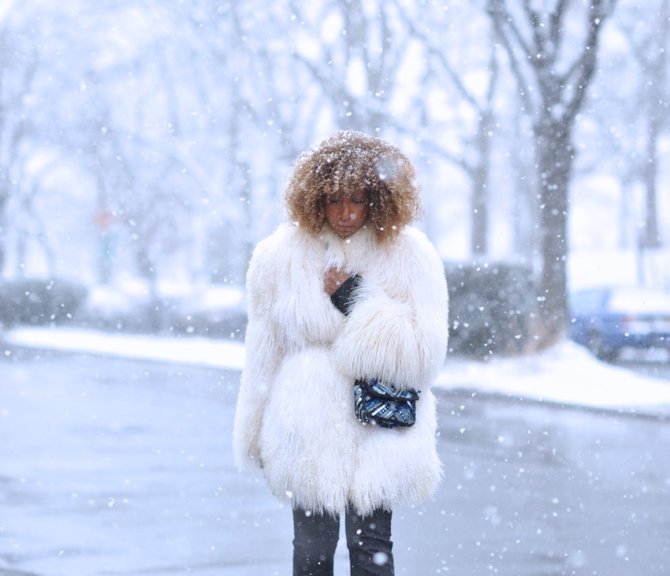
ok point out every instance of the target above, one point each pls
(605, 320)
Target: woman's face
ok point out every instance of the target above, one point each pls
(347, 213)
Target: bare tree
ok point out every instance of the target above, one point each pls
(17, 73)
(553, 70)
(357, 57)
(251, 94)
(649, 40)
(476, 159)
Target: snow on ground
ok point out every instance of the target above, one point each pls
(187, 350)
(565, 374)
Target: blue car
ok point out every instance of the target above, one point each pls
(605, 320)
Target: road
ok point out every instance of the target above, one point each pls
(118, 467)
(654, 369)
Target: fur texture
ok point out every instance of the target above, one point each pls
(295, 412)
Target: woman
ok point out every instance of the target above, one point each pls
(345, 291)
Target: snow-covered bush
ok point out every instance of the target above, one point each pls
(490, 307)
(202, 310)
(213, 310)
(127, 307)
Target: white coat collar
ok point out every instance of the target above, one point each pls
(349, 254)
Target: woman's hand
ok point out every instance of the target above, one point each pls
(333, 279)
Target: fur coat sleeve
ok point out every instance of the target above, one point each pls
(399, 334)
(282, 292)
(261, 366)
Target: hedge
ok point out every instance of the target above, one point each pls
(490, 307)
(39, 301)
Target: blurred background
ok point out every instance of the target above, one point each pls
(145, 144)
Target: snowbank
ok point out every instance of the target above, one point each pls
(565, 374)
(187, 350)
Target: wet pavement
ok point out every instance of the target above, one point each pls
(654, 369)
(111, 466)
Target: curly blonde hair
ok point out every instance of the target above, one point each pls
(351, 161)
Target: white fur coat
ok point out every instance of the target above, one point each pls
(295, 412)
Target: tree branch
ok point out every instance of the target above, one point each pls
(439, 56)
(556, 26)
(587, 61)
(499, 16)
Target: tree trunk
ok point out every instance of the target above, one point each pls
(3, 235)
(4, 200)
(479, 234)
(650, 236)
(554, 168)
